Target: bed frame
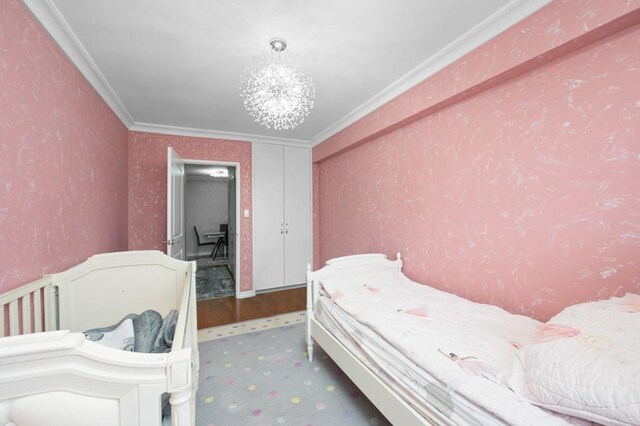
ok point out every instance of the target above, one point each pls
(49, 372)
(394, 407)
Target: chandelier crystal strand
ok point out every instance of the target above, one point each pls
(276, 92)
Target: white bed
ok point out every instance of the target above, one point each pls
(51, 374)
(405, 368)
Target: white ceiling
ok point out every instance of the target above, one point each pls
(174, 66)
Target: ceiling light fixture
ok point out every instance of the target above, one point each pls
(276, 92)
(219, 172)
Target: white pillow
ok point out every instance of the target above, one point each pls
(594, 374)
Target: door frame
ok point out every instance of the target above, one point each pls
(237, 274)
(172, 155)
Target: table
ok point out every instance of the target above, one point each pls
(214, 234)
(220, 236)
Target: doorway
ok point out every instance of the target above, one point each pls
(211, 207)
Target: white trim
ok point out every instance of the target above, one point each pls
(253, 222)
(503, 18)
(61, 32)
(245, 294)
(311, 204)
(52, 20)
(214, 134)
(237, 275)
(211, 162)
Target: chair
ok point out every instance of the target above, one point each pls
(222, 240)
(206, 243)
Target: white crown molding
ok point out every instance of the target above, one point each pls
(213, 134)
(52, 20)
(503, 18)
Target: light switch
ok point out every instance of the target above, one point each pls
(246, 212)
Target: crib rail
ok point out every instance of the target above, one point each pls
(29, 309)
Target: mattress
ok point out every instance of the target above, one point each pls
(443, 354)
(416, 386)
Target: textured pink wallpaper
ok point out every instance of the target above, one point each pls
(63, 173)
(525, 196)
(148, 189)
(555, 31)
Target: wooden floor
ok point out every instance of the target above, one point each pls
(227, 310)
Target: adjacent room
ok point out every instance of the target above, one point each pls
(210, 217)
(279, 212)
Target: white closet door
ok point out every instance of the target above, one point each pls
(268, 214)
(297, 213)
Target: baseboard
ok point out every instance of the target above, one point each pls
(245, 294)
(274, 289)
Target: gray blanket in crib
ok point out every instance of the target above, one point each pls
(151, 332)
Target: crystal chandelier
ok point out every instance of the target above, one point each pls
(276, 92)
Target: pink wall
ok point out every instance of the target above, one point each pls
(555, 31)
(525, 195)
(63, 174)
(148, 188)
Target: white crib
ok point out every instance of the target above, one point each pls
(49, 372)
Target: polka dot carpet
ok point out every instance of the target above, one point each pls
(264, 378)
(260, 324)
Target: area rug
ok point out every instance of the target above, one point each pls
(213, 281)
(264, 378)
(260, 324)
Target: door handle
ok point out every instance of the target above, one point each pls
(282, 228)
(168, 242)
(286, 228)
